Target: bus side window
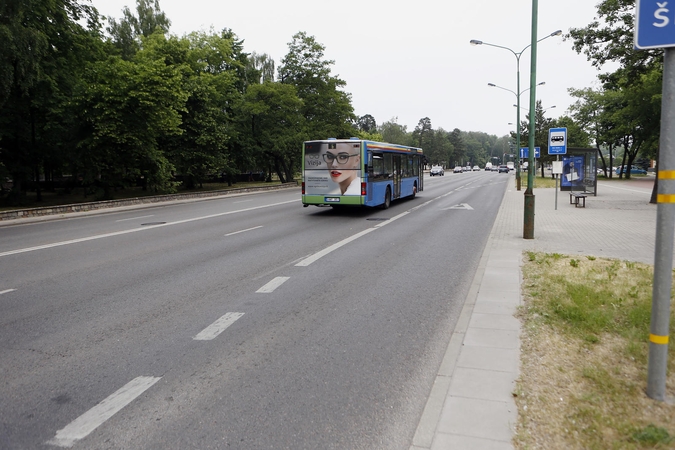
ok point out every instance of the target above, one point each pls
(377, 166)
(388, 171)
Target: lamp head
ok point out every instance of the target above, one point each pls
(556, 33)
(541, 84)
(475, 42)
(492, 85)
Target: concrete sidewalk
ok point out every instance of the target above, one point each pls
(471, 405)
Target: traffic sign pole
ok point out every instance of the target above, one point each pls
(665, 235)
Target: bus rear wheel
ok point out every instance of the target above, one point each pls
(387, 199)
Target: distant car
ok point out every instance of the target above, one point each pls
(475, 168)
(633, 170)
(457, 169)
(494, 168)
(488, 168)
(436, 170)
(503, 168)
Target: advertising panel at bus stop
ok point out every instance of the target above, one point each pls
(572, 171)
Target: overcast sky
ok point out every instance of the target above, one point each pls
(413, 61)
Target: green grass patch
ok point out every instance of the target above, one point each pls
(584, 357)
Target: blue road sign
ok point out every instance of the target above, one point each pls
(654, 24)
(525, 152)
(557, 141)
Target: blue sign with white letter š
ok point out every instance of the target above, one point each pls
(654, 24)
(525, 152)
(557, 141)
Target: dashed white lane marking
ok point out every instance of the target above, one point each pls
(217, 327)
(135, 218)
(134, 230)
(6, 291)
(272, 285)
(243, 231)
(89, 421)
(320, 254)
(309, 260)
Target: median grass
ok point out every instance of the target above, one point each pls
(584, 357)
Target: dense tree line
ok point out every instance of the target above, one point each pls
(132, 104)
(107, 107)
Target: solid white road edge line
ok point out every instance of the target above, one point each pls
(89, 421)
(272, 285)
(135, 218)
(134, 230)
(217, 327)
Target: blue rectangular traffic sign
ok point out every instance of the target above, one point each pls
(525, 152)
(654, 24)
(557, 141)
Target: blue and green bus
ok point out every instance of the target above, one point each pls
(358, 172)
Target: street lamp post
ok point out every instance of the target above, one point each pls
(526, 233)
(517, 94)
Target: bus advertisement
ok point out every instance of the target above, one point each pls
(357, 172)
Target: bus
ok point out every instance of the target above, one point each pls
(357, 172)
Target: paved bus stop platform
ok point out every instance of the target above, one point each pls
(471, 405)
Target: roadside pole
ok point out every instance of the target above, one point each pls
(654, 28)
(665, 233)
(557, 169)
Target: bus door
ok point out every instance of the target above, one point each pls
(397, 176)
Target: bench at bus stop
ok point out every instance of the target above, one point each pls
(578, 199)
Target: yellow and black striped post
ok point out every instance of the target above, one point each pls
(665, 234)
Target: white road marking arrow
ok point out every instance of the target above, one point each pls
(460, 206)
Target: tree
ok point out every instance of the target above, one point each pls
(394, 133)
(127, 33)
(423, 133)
(458, 146)
(439, 151)
(263, 65)
(272, 114)
(44, 47)
(612, 40)
(367, 124)
(205, 61)
(326, 108)
(593, 114)
(126, 107)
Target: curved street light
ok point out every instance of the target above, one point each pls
(518, 55)
(517, 94)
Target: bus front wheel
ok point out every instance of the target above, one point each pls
(387, 199)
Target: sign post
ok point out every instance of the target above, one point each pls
(655, 28)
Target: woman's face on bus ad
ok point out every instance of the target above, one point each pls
(342, 165)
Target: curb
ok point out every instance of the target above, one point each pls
(20, 214)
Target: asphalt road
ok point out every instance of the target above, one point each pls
(244, 322)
